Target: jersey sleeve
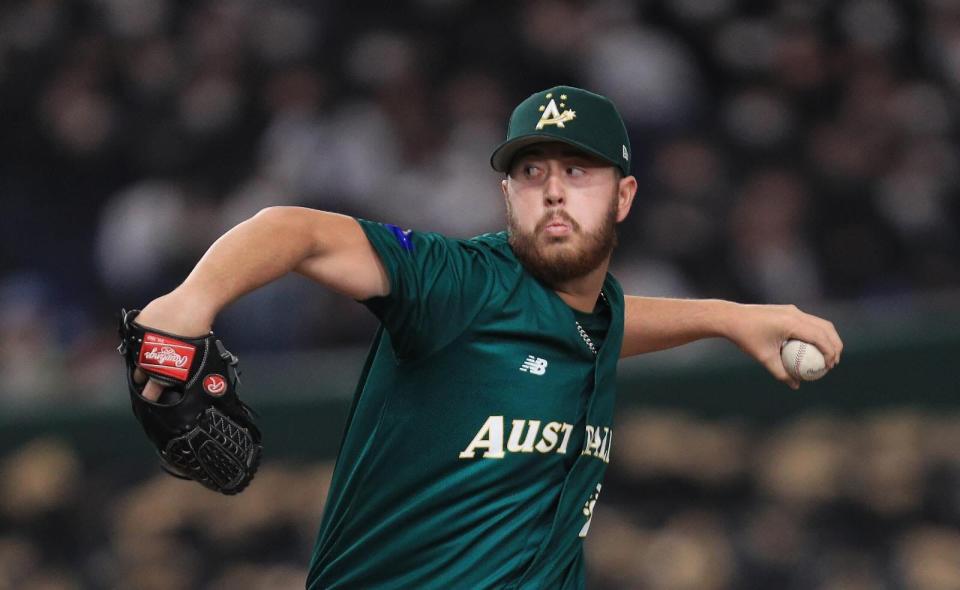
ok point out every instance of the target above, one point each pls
(438, 285)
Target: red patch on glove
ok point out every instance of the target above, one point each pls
(166, 356)
(215, 384)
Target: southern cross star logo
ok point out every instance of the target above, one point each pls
(551, 112)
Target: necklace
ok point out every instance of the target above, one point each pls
(586, 338)
(583, 333)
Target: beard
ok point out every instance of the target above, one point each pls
(555, 260)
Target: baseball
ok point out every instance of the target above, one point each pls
(803, 360)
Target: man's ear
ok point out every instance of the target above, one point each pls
(626, 191)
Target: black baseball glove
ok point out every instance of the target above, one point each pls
(200, 427)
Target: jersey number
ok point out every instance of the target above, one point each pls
(588, 511)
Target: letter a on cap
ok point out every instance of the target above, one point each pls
(552, 116)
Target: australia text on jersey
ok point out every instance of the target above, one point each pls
(553, 438)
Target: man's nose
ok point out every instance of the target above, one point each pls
(553, 193)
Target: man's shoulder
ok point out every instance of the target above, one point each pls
(412, 240)
(495, 248)
(493, 241)
(485, 257)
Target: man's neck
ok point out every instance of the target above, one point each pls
(582, 293)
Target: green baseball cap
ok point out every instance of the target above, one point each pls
(570, 115)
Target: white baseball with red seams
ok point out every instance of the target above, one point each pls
(803, 360)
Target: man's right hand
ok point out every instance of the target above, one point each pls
(174, 313)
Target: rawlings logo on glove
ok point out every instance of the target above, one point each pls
(166, 356)
(201, 429)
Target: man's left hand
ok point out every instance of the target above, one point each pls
(760, 331)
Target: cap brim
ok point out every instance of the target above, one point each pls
(504, 153)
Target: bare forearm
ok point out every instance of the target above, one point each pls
(252, 254)
(653, 324)
(329, 248)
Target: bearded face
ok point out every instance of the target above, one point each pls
(556, 259)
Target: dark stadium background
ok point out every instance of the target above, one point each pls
(787, 151)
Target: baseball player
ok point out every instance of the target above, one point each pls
(482, 425)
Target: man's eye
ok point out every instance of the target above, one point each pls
(530, 170)
(575, 171)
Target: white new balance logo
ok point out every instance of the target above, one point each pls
(534, 365)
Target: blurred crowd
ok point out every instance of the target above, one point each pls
(787, 151)
(819, 502)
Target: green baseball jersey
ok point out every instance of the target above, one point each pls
(480, 429)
